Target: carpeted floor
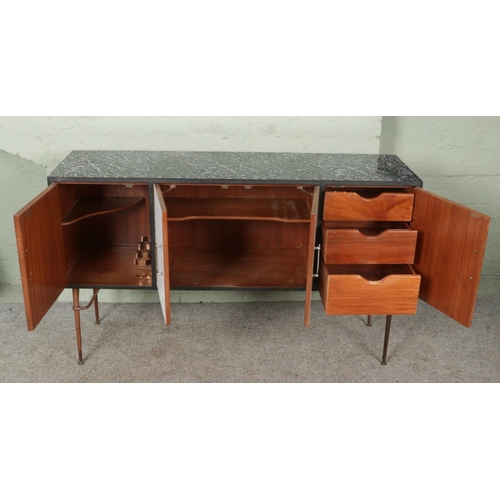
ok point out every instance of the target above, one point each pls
(248, 342)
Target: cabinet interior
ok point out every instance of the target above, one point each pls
(103, 225)
(238, 236)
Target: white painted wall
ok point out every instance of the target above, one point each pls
(31, 147)
(456, 157)
(47, 140)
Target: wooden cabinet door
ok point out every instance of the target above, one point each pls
(162, 268)
(40, 247)
(450, 248)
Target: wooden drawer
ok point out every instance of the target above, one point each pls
(386, 289)
(370, 205)
(368, 243)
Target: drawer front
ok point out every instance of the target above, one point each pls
(347, 205)
(354, 294)
(355, 246)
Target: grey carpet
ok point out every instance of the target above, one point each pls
(248, 342)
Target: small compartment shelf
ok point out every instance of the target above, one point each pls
(103, 228)
(87, 206)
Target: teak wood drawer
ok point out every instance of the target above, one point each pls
(386, 289)
(368, 243)
(368, 206)
(367, 247)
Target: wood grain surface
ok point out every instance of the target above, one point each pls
(449, 256)
(40, 248)
(349, 205)
(369, 289)
(368, 245)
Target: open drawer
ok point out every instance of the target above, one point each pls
(368, 243)
(368, 205)
(366, 289)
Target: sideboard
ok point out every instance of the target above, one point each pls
(358, 228)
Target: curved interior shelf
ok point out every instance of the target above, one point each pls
(278, 209)
(90, 207)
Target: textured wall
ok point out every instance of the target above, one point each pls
(31, 147)
(456, 157)
(47, 141)
(20, 181)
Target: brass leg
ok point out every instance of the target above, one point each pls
(369, 321)
(76, 309)
(386, 338)
(96, 307)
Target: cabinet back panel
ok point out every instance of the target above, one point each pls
(238, 267)
(120, 228)
(231, 233)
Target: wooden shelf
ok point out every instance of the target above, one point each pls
(108, 267)
(237, 267)
(278, 209)
(91, 206)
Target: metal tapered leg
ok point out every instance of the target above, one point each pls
(96, 307)
(76, 309)
(386, 338)
(369, 321)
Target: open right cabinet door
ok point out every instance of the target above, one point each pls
(450, 248)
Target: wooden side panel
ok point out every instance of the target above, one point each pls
(203, 233)
(449, 256)
(162, 256)
(347, 205)
(41, 253)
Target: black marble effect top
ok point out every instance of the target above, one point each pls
(228, 167)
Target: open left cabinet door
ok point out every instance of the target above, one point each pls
(161, 236)
(40, 248)
(450, 248)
